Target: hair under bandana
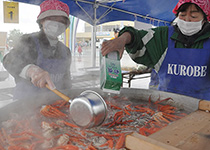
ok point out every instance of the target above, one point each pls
(203, 4)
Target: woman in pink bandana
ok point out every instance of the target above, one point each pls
(40, 58)
(180, 54)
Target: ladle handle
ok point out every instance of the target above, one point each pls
(63, 96)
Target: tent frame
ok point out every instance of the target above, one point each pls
(95, 21)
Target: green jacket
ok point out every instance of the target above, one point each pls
(148, 46)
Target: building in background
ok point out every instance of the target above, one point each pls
(104, 31)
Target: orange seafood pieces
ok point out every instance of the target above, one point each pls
(120, 142)
(91, 147)
(159, 117)
(148, 131)
(52, 112)
(60, 104)
(15, 147)
(109, 143)
(65, 147)
(62, 122)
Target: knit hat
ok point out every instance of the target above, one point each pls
(203, 4)
(53, 8)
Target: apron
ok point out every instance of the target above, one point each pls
(55, 67)
(154, 80)
(186, 70)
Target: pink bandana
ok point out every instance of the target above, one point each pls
(203, 4)
(54, 5)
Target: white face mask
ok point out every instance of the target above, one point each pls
(53, 28)
(189, 28)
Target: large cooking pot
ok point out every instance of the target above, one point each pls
(29, 106)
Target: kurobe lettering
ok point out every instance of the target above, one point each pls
(190, 71)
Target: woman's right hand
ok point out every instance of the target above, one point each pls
(40, 77)
(117, 44)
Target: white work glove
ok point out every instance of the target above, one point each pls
(39, 77)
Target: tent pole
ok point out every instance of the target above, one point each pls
(93, 38)
(93, 46)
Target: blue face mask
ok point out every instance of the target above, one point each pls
(53, 28)
(189, 28)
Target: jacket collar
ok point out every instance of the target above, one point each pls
(190, 40)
